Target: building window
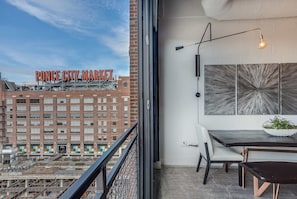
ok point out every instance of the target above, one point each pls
(89, 138)
(75, 123)
(114, 115)
(21, 138)
(61, 115)
(74, 100)
(74, 130)
(35, 123)
(61, 100)
(48, 130)
(126, 99)
(114, 130)
(9, 130)
(61, 108)
(74, 107)
(35, 115)
(114, 123)
(126, 123)
(125, 108)
(126, 115)
(48, 123)
(21, 108)
(99, 100)
(21, 130)
(88, 100)
(9, 108)
(104, 123)
(48, 101)
(48, 137)
(75, 115)
(21, 116)
(48, 115)
(114, 108)
(88, 108)
(20, 101)
(88, 130)
(8, 101)
(61, 123)
(75, 138)
(114, 100)
(48, 108)
(21, 123)
(102, 115)
(62, 137)
(8, 123)
(34, 108)
(88, 123)
(9, 116)
(88, 115)
(125, 84)
(104, 100)
(35, 137)
(62, 130)
(35, 130)
(34, 101)
(114, 137)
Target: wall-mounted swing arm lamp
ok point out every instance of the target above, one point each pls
(262, 43)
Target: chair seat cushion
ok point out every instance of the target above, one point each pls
(223, 153)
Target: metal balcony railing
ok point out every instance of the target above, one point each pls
(107, 178)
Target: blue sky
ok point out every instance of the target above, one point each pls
(62, 34)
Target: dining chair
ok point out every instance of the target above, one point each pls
(214, 153)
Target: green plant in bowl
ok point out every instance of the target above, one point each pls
(279, 123)
(279, 127)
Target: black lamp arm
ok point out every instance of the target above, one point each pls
(210, 39)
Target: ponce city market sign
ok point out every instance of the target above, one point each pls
(76, 75)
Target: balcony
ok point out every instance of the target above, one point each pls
(111, 177)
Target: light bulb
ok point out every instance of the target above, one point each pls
(262, 43)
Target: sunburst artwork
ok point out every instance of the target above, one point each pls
(289, 88)
(258, 89)
(219, 89)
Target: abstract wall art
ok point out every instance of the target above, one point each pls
(258, 89)
(289, 89)
(219, 90)
(251, 89)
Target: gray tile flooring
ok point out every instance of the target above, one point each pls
(185, 183)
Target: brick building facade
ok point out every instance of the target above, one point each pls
(133, 52)
(73, 122)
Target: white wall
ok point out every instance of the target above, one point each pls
(183, 22)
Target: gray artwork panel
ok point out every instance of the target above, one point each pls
(219, 91)
(258, 89)
(289, 88)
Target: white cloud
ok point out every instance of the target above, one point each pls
(118, 41)
(89, 17)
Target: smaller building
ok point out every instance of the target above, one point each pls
(8, 155)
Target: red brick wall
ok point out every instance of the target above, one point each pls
(133, 51)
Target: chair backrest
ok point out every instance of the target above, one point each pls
(203, 137)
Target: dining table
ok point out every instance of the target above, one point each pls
(248, 138)
(254, 138)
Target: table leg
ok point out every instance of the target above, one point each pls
(240, 169)
(258, 191)
(275, 191)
